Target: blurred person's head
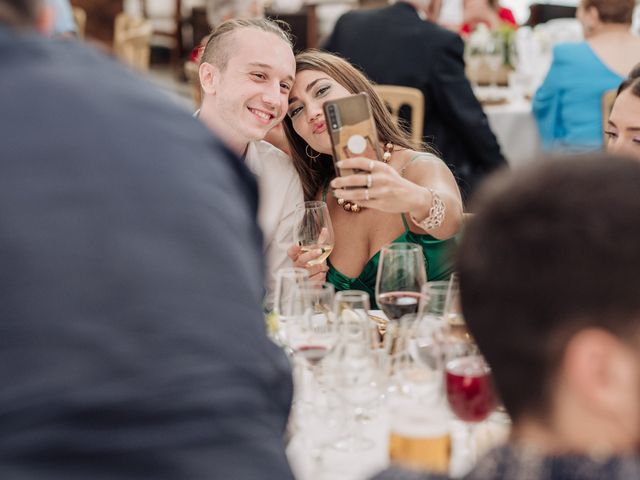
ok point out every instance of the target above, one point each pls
(592, 14)
(246, 72)
(623, 127)
(26, 14)
(550, 283)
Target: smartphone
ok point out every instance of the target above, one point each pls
(352, 130)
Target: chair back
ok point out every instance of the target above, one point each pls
(131, 41)
(395, 97)
(80, 18)
(608, 99)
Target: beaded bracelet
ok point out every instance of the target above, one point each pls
(435, 218)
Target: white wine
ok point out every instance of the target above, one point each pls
(326, 251)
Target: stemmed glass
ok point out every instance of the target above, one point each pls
(401, 274)
(453, 317)
(359, 367)
(288, 281)
(313, 231)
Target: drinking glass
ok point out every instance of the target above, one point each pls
(401, 274)
(454, 319)
(288, 281)
(313, 230)
(312, 331)
(359, 365)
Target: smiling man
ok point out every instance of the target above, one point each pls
(246, 73)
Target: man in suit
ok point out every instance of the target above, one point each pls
(132, 340)
(399, 45)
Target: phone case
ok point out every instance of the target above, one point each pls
(351, 129)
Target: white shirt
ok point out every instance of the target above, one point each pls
(280, 191)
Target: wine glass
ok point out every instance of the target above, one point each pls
(313, 331)
(401, 274)
(288, 281)
(313, 231)
(359, 366)
(454, 319)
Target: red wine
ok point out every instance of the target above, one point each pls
(312, 353)
(469, 389)
(396, 304)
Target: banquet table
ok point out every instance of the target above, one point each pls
(340, 465)
(512, 121)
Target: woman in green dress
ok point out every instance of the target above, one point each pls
(411, 196)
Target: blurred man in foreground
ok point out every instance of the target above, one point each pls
(132, 343)
(550, 281)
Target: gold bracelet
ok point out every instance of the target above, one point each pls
(435, 218)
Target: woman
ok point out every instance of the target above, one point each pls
(567, 106)
(623, 130)
(488, 12)
(411, 196)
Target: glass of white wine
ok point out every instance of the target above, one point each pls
(313, 231)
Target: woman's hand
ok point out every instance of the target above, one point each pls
(379, 186)
(317, 273)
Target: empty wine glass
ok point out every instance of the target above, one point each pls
(313, 231)
(288, 281)
(401, 274)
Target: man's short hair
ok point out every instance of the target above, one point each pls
(19, 13)
(613, 11)
(218, 48)
(551, 250)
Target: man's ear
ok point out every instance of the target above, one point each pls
(45, 20)
(208, 76)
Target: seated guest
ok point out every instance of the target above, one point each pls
(132, 340)
(568, 105)
(488, 12)
(246, 72)
(410, 196)
(623, 128)
(563, 341)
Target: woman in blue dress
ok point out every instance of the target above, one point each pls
(568, 105)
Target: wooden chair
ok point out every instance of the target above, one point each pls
(608, 99)
(80, 17)
(131, 41)
(395, 97)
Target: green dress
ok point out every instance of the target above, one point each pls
(438, 262)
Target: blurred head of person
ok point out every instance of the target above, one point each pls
(623, 127)
(550, 284)
(246, 72)
(26, 14)
(594, 14)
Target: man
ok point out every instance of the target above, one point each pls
(246, 72)
(400, 45)
(550, 285)
(132, 340)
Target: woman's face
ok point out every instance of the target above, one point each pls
(311, 89)
(623, 129)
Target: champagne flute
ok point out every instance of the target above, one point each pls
(453, 317)
(401, 274)
(313, 231)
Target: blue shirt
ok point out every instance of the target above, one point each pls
(568, 104)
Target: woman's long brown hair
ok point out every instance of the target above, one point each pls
(314, 174)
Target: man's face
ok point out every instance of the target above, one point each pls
(251, 93)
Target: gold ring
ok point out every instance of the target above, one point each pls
(369, 181)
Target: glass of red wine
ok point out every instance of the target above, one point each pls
(469, 387)
(401, 274)
(312, 332)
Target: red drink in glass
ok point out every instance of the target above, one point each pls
(469, 389)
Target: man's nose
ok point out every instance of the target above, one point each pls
(271, 94)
